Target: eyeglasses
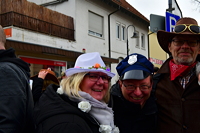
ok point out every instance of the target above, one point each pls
(95, 77)
(191, 43)
(133, 87)
(182, 27)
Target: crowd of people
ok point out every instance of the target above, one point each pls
(145, 99)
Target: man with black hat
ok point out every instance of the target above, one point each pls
(131, 99)
(177, 89)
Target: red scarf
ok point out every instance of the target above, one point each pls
(179, 70)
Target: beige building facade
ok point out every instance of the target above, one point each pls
(157, 54)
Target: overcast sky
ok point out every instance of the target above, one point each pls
(189, 8)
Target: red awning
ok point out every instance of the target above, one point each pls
(44, 62)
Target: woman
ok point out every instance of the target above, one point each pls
(79, 104)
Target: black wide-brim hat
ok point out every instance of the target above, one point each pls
(164, 37)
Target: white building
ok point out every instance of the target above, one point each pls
(104, 26)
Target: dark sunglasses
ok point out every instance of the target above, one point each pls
(182, 27)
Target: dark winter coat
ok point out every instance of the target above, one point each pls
(179, 109)
(55, 113)
(37, 88)
(130, 117)
(16, 102)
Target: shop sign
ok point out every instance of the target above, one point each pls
(42, 61)
(8, 32)
(156, 61)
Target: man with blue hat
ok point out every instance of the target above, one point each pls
(131, 98)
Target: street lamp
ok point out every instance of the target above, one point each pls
(135, 35)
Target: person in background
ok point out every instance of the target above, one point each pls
(132, 99)
(16, 106)
(63, 75)
(44, 78)
(79, 105)
(177, 88)
(155, 70)
(198, 72)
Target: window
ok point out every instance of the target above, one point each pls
(123, 32)
(120, 31)
(143, 41)
(137, 41)
(95, 25)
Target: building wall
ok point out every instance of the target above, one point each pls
(78, 9)
(157, 54)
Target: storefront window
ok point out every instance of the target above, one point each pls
(37, 64)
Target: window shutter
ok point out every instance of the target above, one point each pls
(95, 23)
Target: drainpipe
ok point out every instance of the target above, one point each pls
(109, 49)
(53, 2)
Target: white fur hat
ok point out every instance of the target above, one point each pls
(89, 62)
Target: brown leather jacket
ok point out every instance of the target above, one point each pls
(178, 108)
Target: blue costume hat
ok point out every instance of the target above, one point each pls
(135, 66)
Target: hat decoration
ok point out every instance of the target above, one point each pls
(132, 59)
(89, 62)
(96, 66)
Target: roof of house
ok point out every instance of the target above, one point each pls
(124, 4)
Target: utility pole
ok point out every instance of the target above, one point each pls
(170, 9)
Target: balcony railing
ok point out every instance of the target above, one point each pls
(34, 24)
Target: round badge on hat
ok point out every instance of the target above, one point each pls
(132, 59)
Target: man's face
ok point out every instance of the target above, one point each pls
(184, 49)
(136, 91)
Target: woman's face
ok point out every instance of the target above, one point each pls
(96, 84)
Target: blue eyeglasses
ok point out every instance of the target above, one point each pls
(95, 77)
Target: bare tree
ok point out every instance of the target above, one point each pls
(196, 4)
(196, 1)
